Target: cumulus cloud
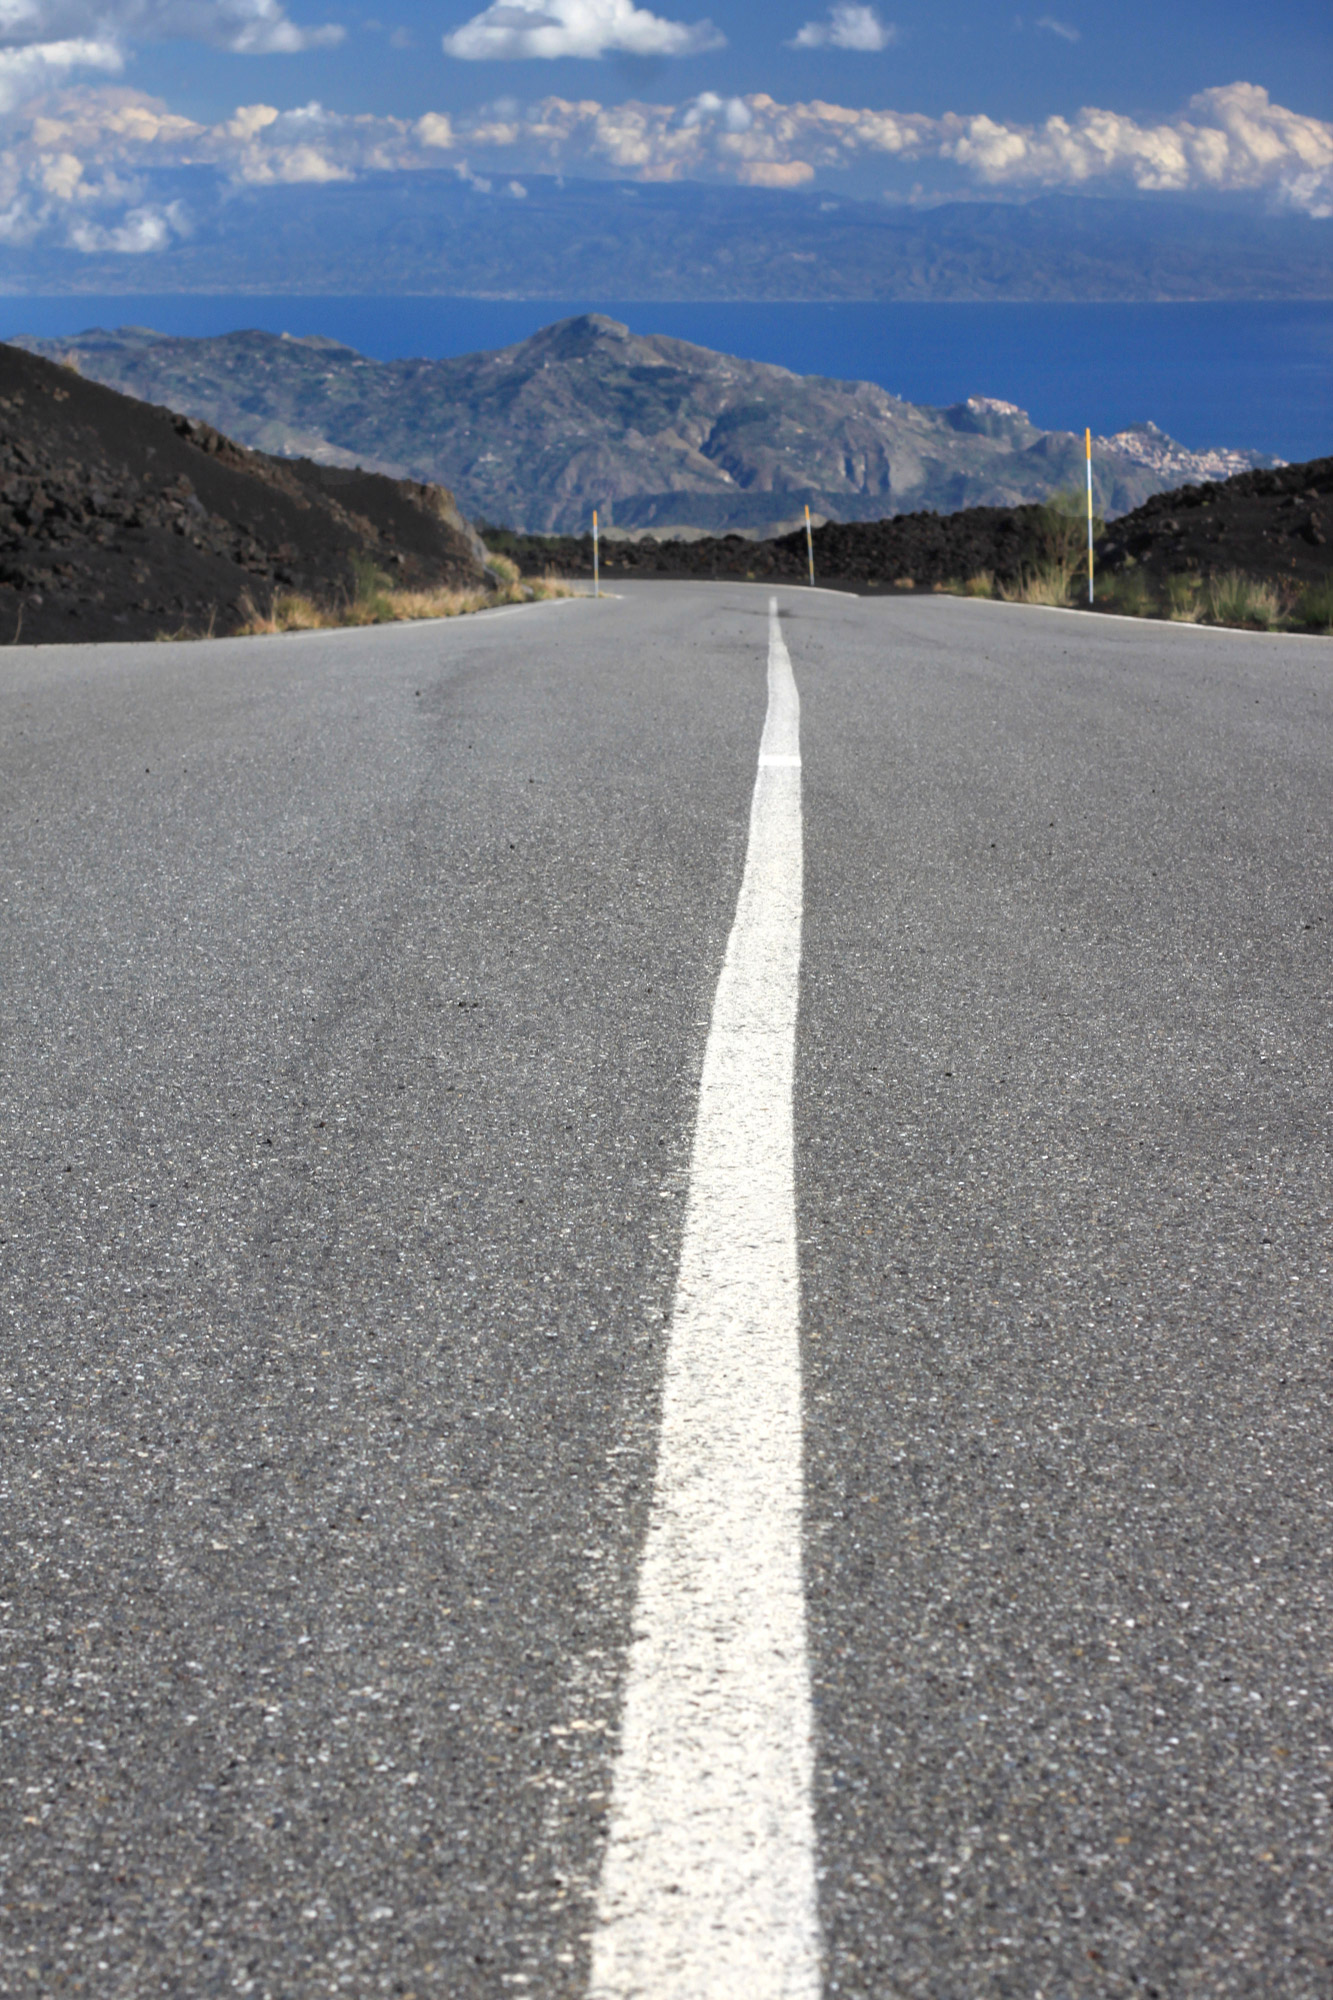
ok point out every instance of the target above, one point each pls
(245, 27)
(1230, 139)
(435, 129)
(140, 230)
(74, 164)
(26, 72)
(733, 113)
(512, 29)
(848, 27)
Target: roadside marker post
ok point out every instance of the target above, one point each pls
(596, 573)
(1088, 435)
(810, 544)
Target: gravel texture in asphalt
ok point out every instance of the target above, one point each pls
(354, 990)
(1065, 1187)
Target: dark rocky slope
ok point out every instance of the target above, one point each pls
(121, 521)
(1275, 525)
(1270, 525)
(910, 551)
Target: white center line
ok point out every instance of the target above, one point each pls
(708, 1885)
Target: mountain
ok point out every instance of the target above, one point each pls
(118, 521)
(659, 434)
(435, 232)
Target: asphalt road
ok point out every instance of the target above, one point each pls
(354, 991)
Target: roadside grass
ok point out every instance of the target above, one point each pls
(377, 601)
(1236, 599)
(1130, 593)
(1049, 582)
(1184, 599)
(1232, 598)
(1314, 608)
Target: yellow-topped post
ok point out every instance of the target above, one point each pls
(1088, 435)
(810, 544)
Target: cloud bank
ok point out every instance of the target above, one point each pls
(76, 165)
(515, 29)
(1228, 140)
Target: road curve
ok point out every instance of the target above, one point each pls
(356, 994)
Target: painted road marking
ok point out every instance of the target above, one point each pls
(708, 1885)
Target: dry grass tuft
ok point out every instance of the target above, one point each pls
(1237, 599)
(377, 602)
(1232, 599)
(1049, 583)
(1183, 599)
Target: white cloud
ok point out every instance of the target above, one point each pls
(82, 154)
(250, 120)
(1060, 28)
(435, 129)
(848, 27)
(245, 27)
(140, 231)
(27, 72)
(511, 29)
(1231, 139)
(733, 113)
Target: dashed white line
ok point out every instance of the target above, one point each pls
(708, 1883)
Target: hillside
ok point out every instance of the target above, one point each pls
(119, 521)
(1274, 526)
(660, 434)
(432, 231)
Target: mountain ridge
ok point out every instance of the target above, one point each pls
(436, 233)
(660, 434)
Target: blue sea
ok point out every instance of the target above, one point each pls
(1256, 376)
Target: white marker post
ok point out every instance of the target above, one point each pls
(1088, 435)
(596, 575)
(810, 544)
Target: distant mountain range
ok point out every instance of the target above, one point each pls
(660, 435)
(436, 233)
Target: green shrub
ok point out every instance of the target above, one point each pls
(1063, 533)
(1130, 592)
(1314, 607)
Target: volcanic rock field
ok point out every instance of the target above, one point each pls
(119, 520)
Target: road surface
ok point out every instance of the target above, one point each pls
(475, 1370)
